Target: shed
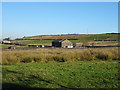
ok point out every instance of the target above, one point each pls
(64, 43)
(35, 45)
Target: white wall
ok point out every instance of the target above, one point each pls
(70, 47)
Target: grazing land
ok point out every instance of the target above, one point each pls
(61, 68)
(26, 67)
(47, 39)
(74, 45)
(44, 42)
(79, 74)
(5, 46)
(83, 37)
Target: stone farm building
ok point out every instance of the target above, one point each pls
(6, 42)
(64, 43)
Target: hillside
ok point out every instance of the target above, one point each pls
(64, 36)
(74, 38)
(77, 36)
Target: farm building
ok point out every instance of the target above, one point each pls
(64, 43)
(47, 46)
(36, 46)
(6, 42)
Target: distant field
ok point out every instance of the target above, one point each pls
(78, 74)
(97, 37)
(58, 36)
(82, 37)
(45, 42)
(5, 46)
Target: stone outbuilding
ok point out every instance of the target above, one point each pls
(6, 42)
(64, 43)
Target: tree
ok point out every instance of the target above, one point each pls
(6, 38)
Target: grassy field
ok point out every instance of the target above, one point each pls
(58, 55)
(97, 37)
(5, 46)
(45, 42)
(83, 37)
(58, 36)
(49, 42)
(78, 74)
(60, 68)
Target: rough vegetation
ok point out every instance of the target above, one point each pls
(59, 55)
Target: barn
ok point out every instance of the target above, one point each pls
(64, 43)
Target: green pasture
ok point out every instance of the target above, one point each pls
(78, 74)
(85, 39)
(49, 42)
(97, 37)
(32, 41)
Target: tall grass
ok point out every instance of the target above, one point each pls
(59, 55)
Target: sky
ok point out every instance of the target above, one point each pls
(48, 18)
